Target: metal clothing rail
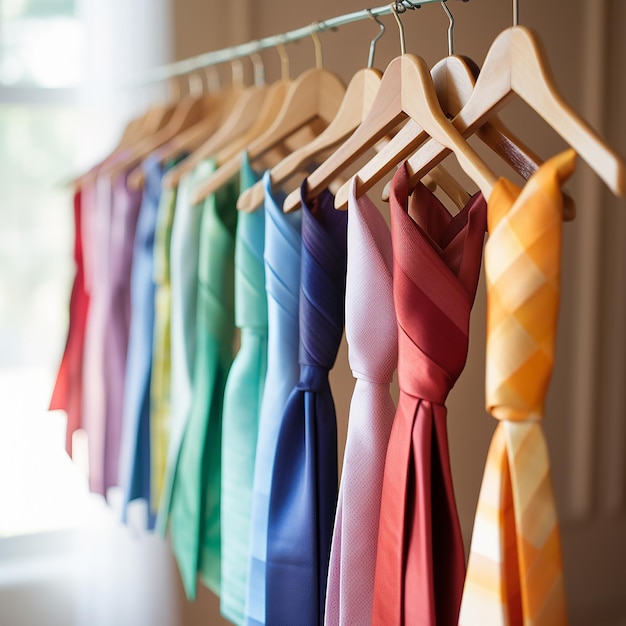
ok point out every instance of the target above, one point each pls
(179, 68)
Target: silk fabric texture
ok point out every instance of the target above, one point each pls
(303, 493)
(283, 242)
(420, 563)
(125, 212)
(372, 336)
(515, 572)
(135, 448)
(242, 405)
(68, 386)
(194, 513)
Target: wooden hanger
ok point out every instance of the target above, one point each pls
(355, 104)
(189, 139)
(229, 158)
(516, 64)
(454, 80)
(188, 111)
(406, 91)
(240, 119)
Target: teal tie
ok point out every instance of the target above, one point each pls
(242, 404)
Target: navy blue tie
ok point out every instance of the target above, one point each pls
(303, 493)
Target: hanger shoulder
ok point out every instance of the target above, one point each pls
(317, 93)
(240, 118)
(385, 113)
(533, 81)
(355, 104)
(228, 159)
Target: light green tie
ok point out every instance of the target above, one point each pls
(195, 508)
(242, 404)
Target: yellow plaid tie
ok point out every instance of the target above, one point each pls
(514, 574)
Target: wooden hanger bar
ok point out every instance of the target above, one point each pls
(180, 68)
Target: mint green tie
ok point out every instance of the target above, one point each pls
(242, 404)
(195, 508)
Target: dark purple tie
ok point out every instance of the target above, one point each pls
(303, 493)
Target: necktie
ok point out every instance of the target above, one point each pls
(420, 562)
(194, 515)
(183, 275)
(242, 405)
(97, 276)
(161, 349)
(373, 355)
(125, 211)
(303, 493)
(67, 392)
(283, 241)
(135, 450)
(515, 571)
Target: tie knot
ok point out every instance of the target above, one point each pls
(508, 414)
(313, 378)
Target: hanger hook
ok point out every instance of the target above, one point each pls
(318, 45)
(236, 68)
(450, 27)
(259, 69)
(212, 79)
(515, 12)
(196, 86)
(396, 12)
(284, 59)
(381, 32)
(174, 89)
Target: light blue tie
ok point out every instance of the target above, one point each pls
(283, 241)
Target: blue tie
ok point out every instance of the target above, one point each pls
(135, 447)
(242, 404)
(282, 283)
(303, 493)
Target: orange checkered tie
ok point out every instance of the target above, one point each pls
(515, 574)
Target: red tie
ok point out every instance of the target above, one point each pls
(420, 565)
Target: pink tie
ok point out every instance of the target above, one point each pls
(372, 337)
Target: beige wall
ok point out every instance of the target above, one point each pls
(586, 411)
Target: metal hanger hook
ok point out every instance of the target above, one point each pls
(394, 9)
(284, 59)
(450, 27)
(259, 69)
(212, 79)
(515, 12)
(196, 85)
(381, 32)
(318, 45)
(236, 68)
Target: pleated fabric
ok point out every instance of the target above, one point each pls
(135, 446)
(372, 335)
(303, 493)
(97, 255)
(125, 212)
(194, 514)
(242, 405)
(515, 570)
(68, 387)
(161, 349)
(283, 241)
(420, 565)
